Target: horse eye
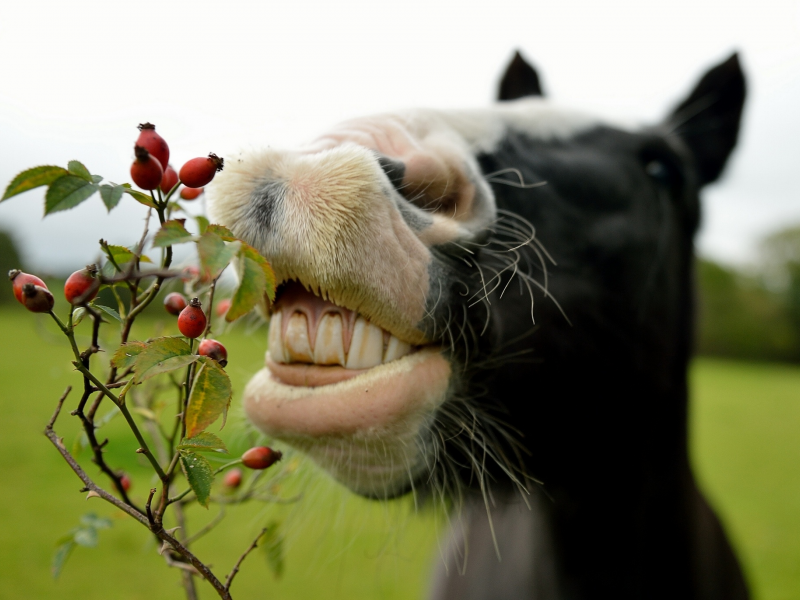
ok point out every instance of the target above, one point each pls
(659, 172)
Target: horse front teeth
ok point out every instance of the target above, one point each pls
(370, 345)
(295, 339)
(329, 345)
(366, 347)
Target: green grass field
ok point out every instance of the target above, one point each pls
(744, 436)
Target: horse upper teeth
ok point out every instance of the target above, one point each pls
(370, 345)
(329, 345)
(366, 346)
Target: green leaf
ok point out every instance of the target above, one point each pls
(167, 365)
(209, 398)
(256, 280)
(76, 168)
(109, 311)
(97, 178)
(67, 192)
(202, 223)
(171, 233)
(159, 351)
(92, 520)
(141, 198)
(214, 254)
(222, 232)
(126, 355)
(121, 254)
(78, 315)
(86, 537)
(199, 475)
(272, 546)
(111, 194)
(60, 557)
(203, 442)
(33, 178)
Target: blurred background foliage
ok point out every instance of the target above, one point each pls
(752, 312)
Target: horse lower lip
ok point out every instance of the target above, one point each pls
(307, 375)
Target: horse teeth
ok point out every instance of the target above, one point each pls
(329, 345)
(296, 341)
(395, 349)
(275, 344)
(366, 347)
(370, 345)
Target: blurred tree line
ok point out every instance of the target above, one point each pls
(753, 313)
(747, 314)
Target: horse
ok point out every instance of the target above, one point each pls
(493, 309)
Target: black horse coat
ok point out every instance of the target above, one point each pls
(495, 308)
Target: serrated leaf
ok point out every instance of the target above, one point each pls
(256, 280)
(109, 311)
(202, 223)
(67, 192)
(199, 475)
(141, 198)
(76, 168)
(121, 254)
(204, 441)
(272, 546)
(156, 354)
(111, 194)
(222, 232)
(33, 178)
(60, 557)
(214, 254)
(171, 233)
(209, 398)
(97, 178)
(126, 355)
(167, 365)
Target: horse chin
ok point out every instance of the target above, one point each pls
(367, 428)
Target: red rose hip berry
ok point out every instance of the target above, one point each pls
(261, 457)
(36, 298)
(200, 171)
(192, 320)
(213, 349)
(18, 279)
(154, 144)
(82, 285)
(174, 303)
(169, 180)
(233, 479)
(125, 482)
(146, 171)
(222, 307)
(188, 193)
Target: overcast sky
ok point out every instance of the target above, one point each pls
(76, 77)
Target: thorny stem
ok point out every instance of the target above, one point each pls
(94, 489)
(209, 310)
(128, 417)
(235, 570)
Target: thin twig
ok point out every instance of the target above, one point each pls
(162, 534)
(232, 574)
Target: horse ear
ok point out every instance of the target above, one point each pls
(519, 80)
(708, 120)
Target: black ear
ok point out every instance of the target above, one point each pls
(520, 80)
(708, 120)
